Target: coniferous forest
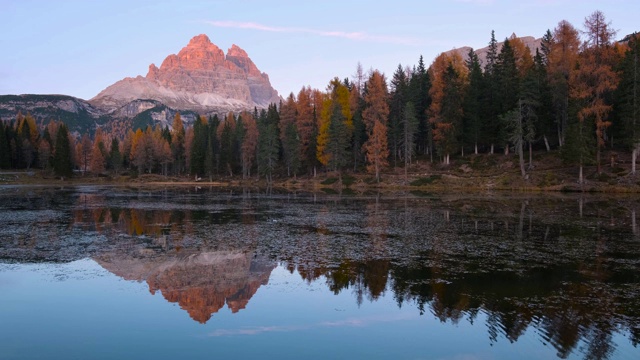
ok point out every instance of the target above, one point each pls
(575, 97)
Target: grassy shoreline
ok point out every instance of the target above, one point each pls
(475, 173)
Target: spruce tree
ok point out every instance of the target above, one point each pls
(62, 165)
(268, 147)
(399, 89)
(410, 128)
(507, 84)
(115, 157)
(291, 149)
(472, 104)
(5, 149)
(199, 147)
(338, 141)
(628, 98)
(419, 86)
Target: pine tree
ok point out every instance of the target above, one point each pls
(62, 164)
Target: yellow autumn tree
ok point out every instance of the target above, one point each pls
(336, 99)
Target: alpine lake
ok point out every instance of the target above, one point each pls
(92, 272)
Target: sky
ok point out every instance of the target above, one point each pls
(78, 48)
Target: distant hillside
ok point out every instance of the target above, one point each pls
(79, 115)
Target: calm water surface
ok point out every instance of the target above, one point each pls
(114, 272)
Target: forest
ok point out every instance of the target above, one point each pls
(575, 96)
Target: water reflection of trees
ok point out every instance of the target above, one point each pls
(564, 266)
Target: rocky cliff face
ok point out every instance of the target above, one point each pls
(199, 78)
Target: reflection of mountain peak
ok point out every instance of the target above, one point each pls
(200, 283)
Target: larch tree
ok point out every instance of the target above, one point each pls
(84, 153)
(375, 117)
(376, 149)
(306, 126)
(97, 157)
(448, 75)
(561, 63)
(595, 80)
(335, 100)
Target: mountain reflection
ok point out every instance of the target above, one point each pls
(200, 283)
(565, 266)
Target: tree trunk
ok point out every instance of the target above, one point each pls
(476, 148)
(599, 165)
(634, 156)
(491, 152)
(546, 143)
(580, 179)
(530, 156)
(521, 157)
(559, 135)
(506, 149)
(462, 148)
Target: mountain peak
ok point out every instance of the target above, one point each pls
(235, 50)
(199, 41)
(199, 78)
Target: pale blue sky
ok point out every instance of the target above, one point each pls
(80, 47)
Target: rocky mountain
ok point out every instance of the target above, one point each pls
(531, 42)
(199, 78)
